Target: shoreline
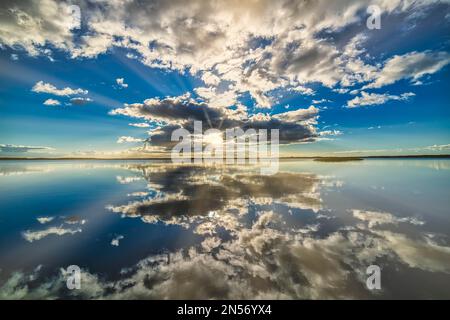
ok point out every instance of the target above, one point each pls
(319, 158)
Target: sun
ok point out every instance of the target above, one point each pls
(213, 138)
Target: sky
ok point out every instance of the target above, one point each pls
(98, 78)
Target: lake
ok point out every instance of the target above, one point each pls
(156, 230)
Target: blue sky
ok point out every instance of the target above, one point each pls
(366, 92)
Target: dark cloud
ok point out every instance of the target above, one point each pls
(182, 112)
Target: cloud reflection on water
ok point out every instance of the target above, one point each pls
(262, 237)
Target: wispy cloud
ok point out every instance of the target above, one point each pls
(79, 101)
(21, 148)
(43, 87)
(125, 139)
(413, 65)
(368, 99)
(139, 125)
(31, 236)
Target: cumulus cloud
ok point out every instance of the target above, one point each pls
(256, 47)
(44, 87)
(368, 99)
(115, 241)
(182, 111)
(52, 102)
(32, 24)
(121, 83)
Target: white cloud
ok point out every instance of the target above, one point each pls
(20, 148)
(31, 236)
(367, 99)
(330, 133)
(115, 241)
(299, 115)
(256, 47)
(413, 65)
(375, 218)
(210, 79)
(52, 102)
(32, 24)
(126, 139)
(127, 180)
(44, 220)
(121, 83)
(43, 87)
(436, 147)
(139, 125)
(320, 101)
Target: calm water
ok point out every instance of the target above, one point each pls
(142, 229)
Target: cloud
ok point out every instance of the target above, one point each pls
(44, 220)
(413, 66)
(127, 180)
(20, 148)
(436, 147)
(79, 101)
(320, 101)
(285, 45)
(139, 125)
(368, 99)
(43, 87)
(376, 218)
(330, 133)
(31, 236)
(52, 102)
(115, 241)
(417, 253)
(121, 83)
(299, 115)
(182, 111)
(74, 220)
(254, 245)
(125, 139)
(184, 193)
(32, 24)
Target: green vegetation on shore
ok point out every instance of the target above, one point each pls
(337, 159)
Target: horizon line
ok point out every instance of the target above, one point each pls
(283, 157)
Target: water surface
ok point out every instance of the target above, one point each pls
(150, 229)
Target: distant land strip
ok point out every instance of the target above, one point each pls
(322, 158)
